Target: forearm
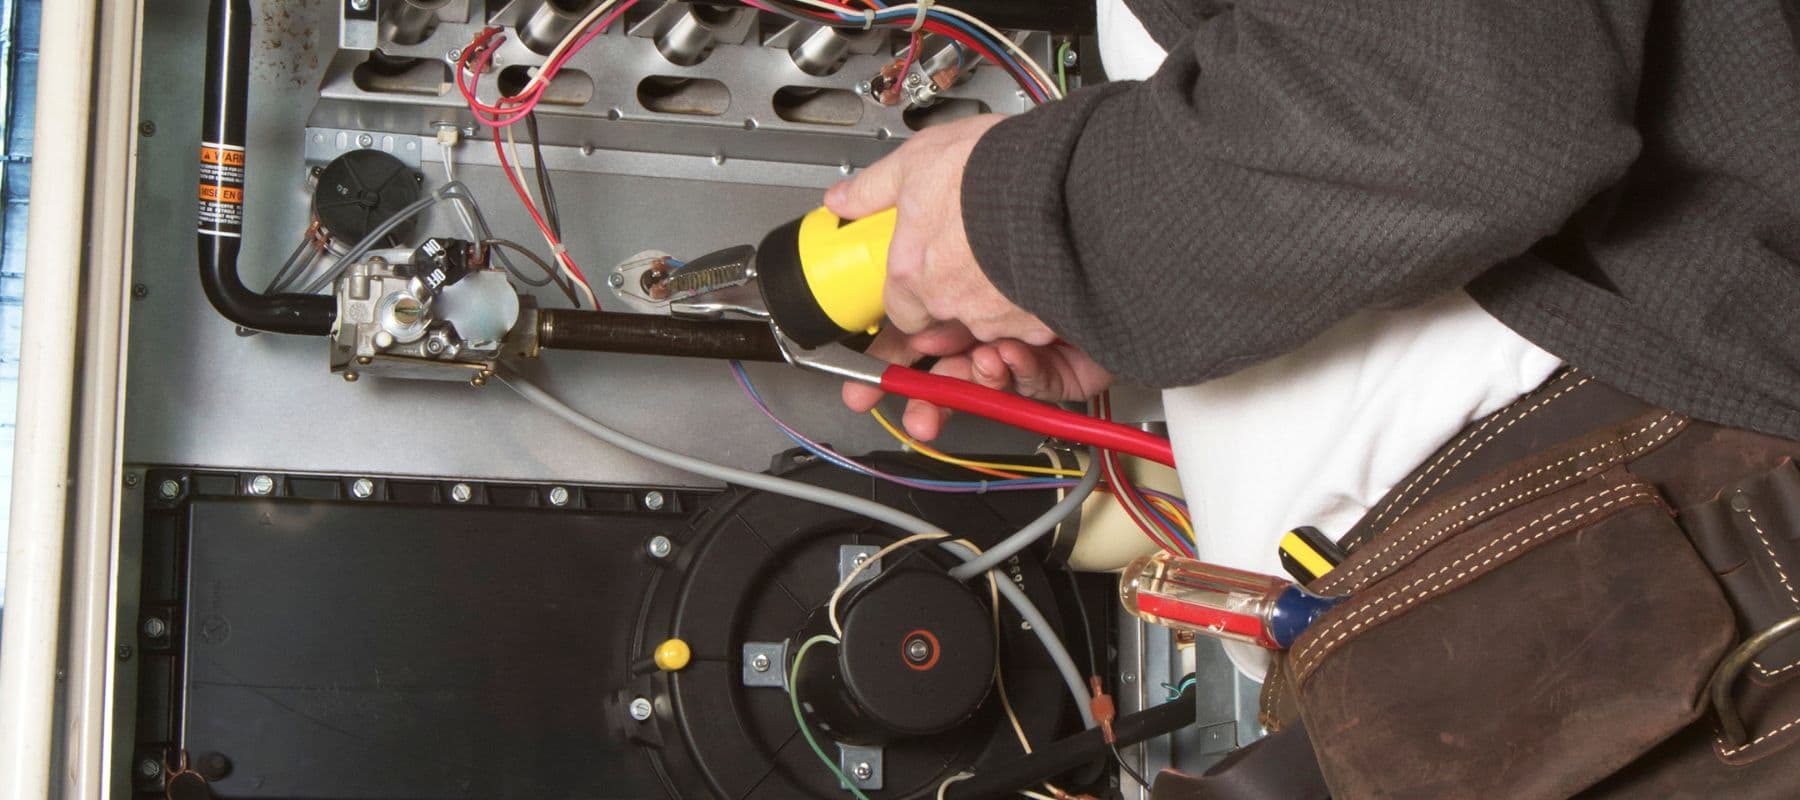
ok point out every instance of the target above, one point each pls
(1298, 162)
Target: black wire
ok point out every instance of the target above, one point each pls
(1087, 630)
(1127, 767)
(1087, 635)
(551, 215)
(536, 260)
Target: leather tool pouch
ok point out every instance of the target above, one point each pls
(1547, 625)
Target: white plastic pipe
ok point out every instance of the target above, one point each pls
(41, 461)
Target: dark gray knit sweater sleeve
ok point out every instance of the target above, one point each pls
(1297, 161)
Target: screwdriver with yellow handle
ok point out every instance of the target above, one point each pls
(821, 275)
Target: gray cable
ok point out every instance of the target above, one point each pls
(1059, 653)
(1035, 530)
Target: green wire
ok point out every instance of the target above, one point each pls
(806, 731)
(1062, 73)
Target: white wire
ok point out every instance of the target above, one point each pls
(1030, 64)
(850, 577)
(557, 251)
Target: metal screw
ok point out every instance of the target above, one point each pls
(1024, 626)
(917, 650)
(139, 291)
(124, 652)
(615, 280)
(365, 140)
(154, 627)
(1070, 58)
(559, 496)
(478, 380)
(469, 132)
(640, 709)
(864, 88)
(661, 547)
(760, 662)
(169, 490)
(149, 768)
(350, 377)
(262, 484)
(1128, 678)
(653, 500)
(360, 5)
(147, 128)
(859, 559)
(862, 771)
(365, 360)
(362, 489)
(462, 493)
(454, 56)
(131, 479)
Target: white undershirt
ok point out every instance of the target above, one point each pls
(1317, 436)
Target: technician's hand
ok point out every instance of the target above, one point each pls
(931, 273)
(938, 301)
(1058, 372)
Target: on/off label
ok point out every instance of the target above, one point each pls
(221, 209)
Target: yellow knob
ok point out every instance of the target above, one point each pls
(672, 655)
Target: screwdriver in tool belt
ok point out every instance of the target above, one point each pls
(1219, 601)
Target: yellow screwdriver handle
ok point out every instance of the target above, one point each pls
(845, 264)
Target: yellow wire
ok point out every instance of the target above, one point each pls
(926, 450)
(1174, 513)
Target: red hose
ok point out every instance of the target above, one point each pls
(1017, 411)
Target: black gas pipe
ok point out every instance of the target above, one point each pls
(221, 208)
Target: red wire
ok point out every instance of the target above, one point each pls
(530, 207)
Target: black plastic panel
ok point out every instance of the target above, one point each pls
(350, 650)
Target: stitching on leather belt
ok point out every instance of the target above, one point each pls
(1728, 752)
(1308, 655)
(1780, 571)
(1361, 574)
(1465, 455)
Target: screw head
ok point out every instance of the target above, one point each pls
(131, 479)
(365, 140)
(660, 547)
(350, 377)
(864, 88)
(615, 280)
(859, 559)
(147, 128)
(469, 131)
(454, 55)
(462, 493)
(760, 662)
(862, 771)
(149, 768)
(124, 652)
(362, 489)
(139, 291)
(917, 651)
(653, 500)
(169, 489)
(1024, 625)
(1070, 58)
(640, 709)
(478, 380)
(360, 5)
(262, 485)
(559, 496)
(1128, 678)
(154, 627)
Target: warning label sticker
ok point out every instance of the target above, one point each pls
(221, 209)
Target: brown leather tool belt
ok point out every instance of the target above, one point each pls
(1544, 608)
